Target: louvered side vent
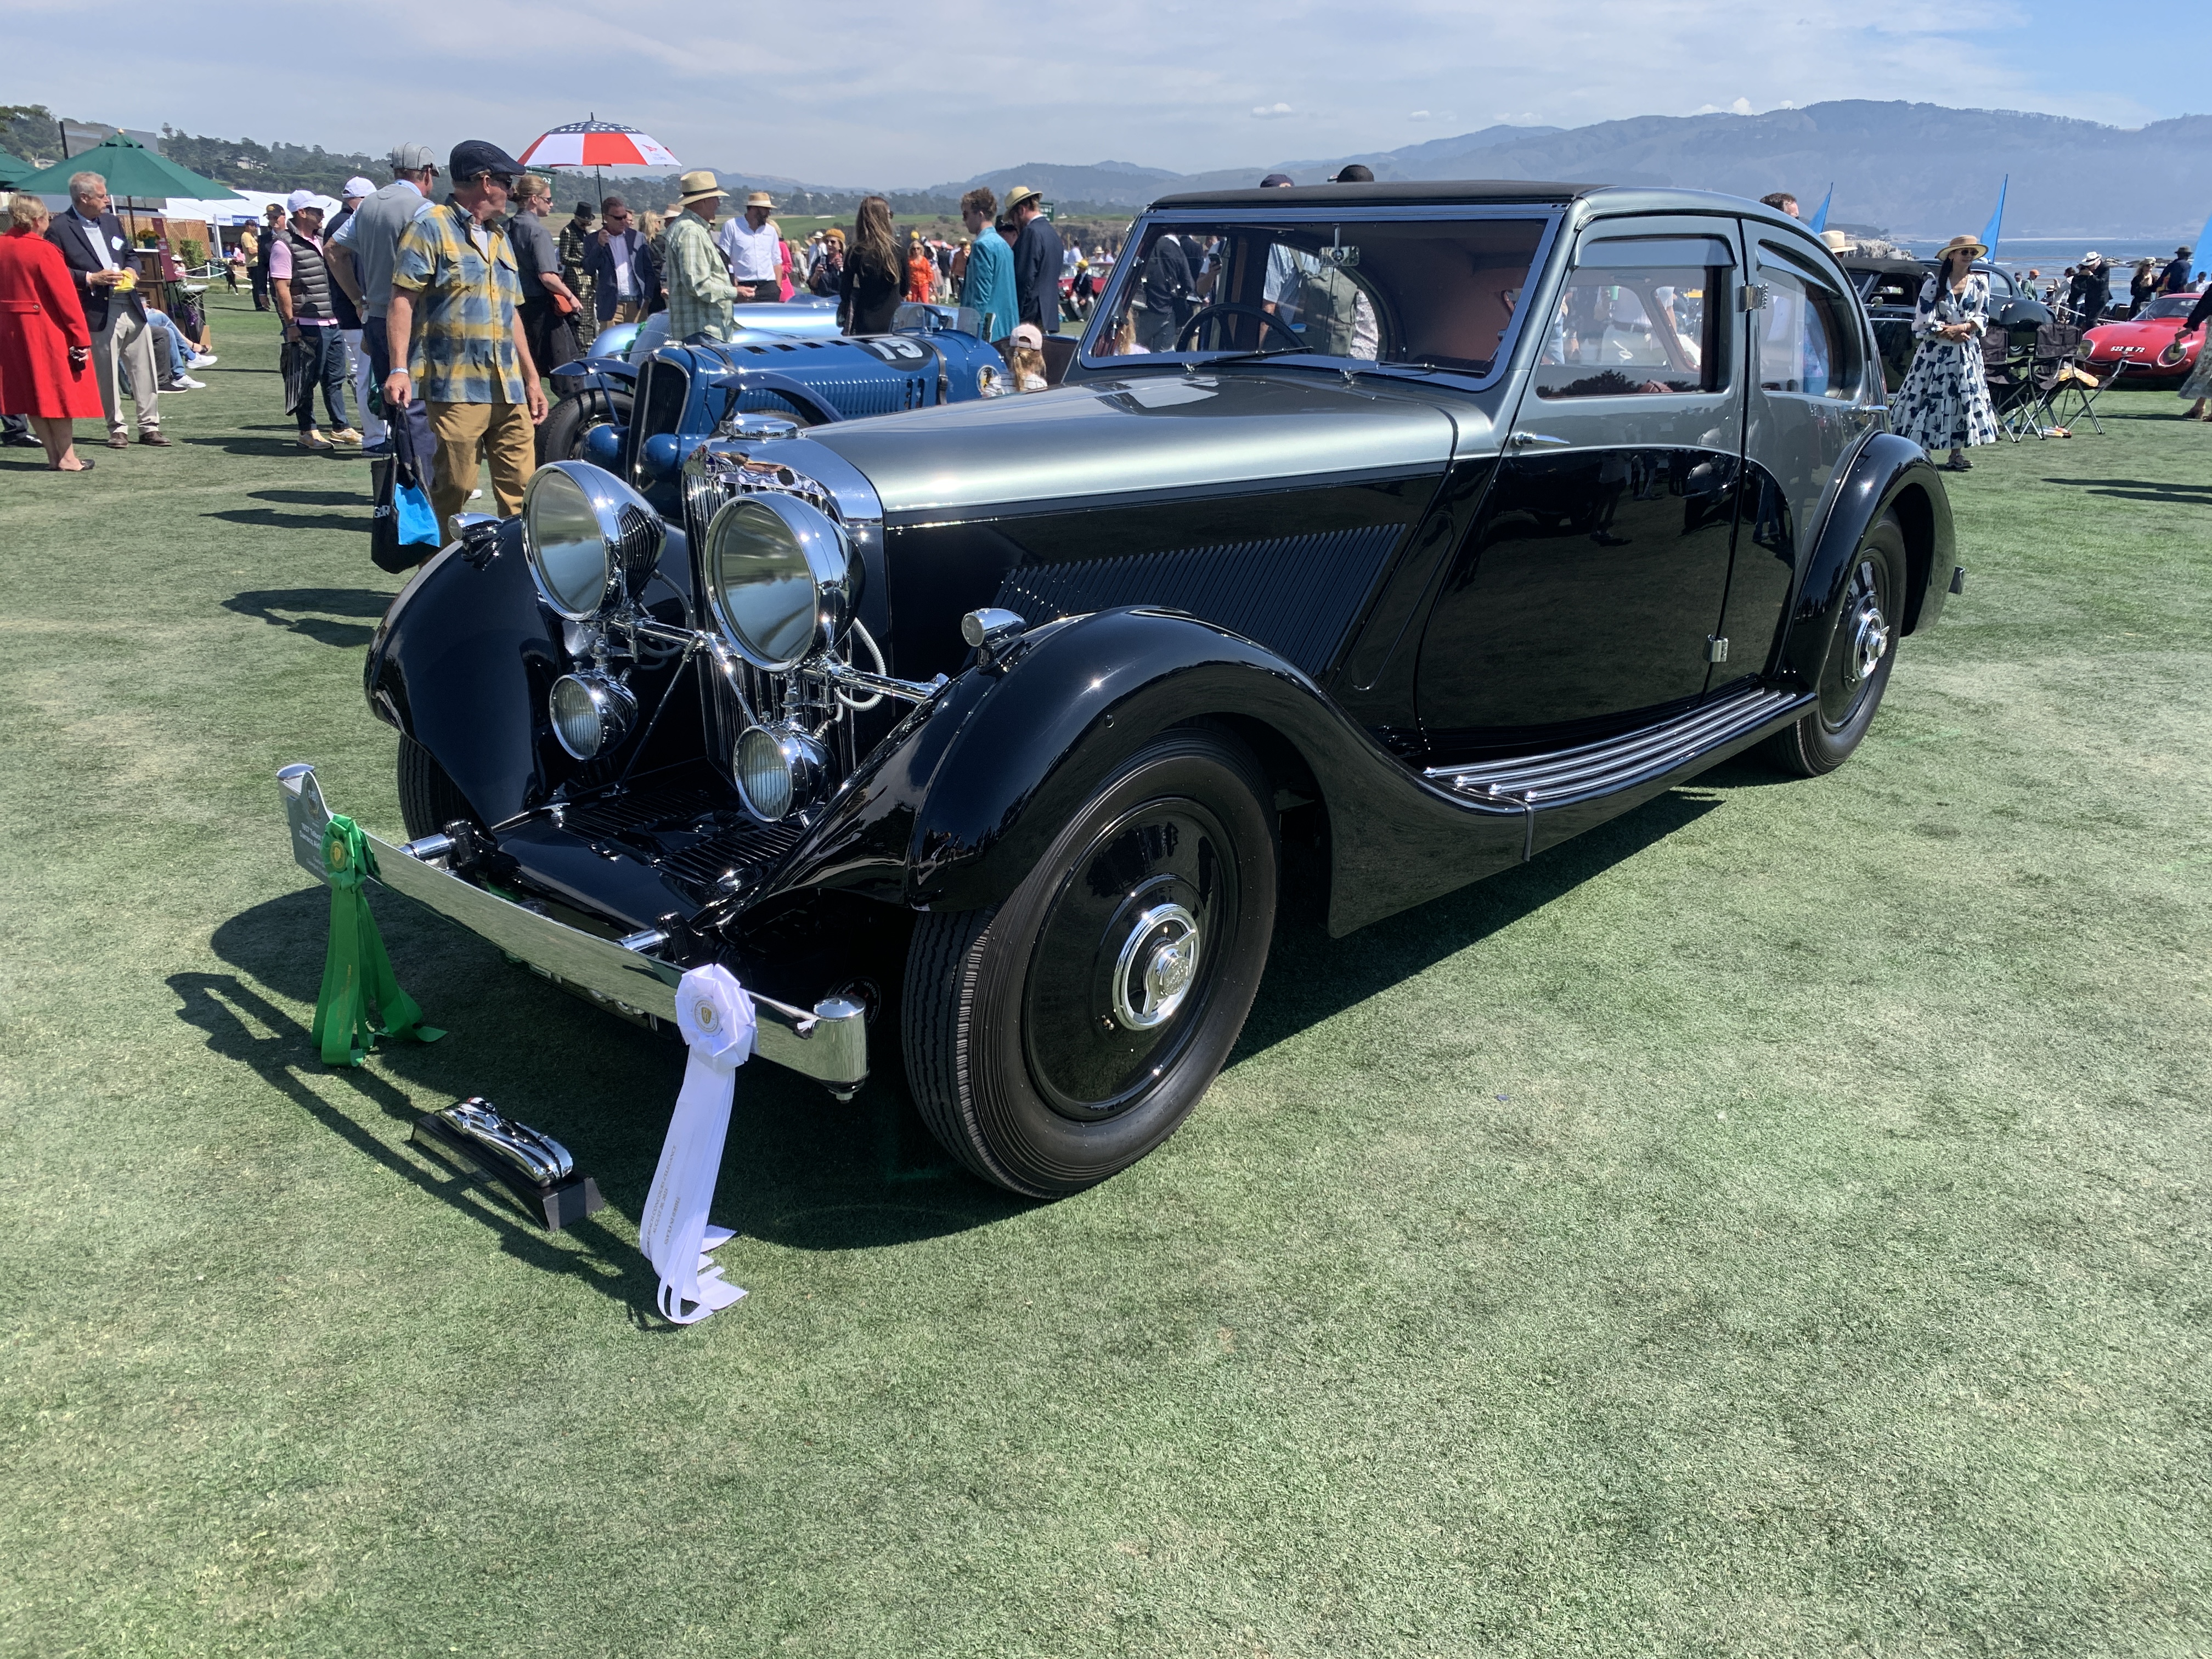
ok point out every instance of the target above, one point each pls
(1297, 595)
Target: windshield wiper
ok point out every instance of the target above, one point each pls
(1253, 356)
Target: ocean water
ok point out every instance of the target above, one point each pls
(2051, 255)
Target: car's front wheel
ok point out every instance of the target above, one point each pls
(1059, 1037)
(571, 419)
(1855, 669)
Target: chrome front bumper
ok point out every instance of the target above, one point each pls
(830, 1044)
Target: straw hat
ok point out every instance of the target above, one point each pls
(1958, 242)
(760, 198)
(697, 187)
(1021, 193)
(1836, 241)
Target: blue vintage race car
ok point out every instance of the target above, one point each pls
(784, 362)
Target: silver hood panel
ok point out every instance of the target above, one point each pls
(1144, 433)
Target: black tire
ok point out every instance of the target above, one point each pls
(1849, 687)
(429, 799)
(570, 420)
(1024, 1060)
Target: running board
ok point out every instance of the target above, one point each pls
(1653, 756)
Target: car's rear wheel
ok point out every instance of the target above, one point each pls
(429, 799)
(1061, 1036)
(1855, 669)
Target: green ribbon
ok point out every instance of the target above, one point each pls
(356, 973)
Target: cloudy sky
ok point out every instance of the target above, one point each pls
(913, 94)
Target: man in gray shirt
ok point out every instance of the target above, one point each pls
(361, 258)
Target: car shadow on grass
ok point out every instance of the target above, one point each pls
(1311, 977)
(2142, 489)
(311, 611)
(803, 1169)
(281, 441)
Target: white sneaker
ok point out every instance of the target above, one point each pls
(475, 495)
(190, 384)
(203, 360)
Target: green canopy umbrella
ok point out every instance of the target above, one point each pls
(133, 174)
(12, 168)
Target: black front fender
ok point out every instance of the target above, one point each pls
(1888, 473)
(958, 804)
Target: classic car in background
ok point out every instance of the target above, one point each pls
(1890, 291)
(2142, 341)
(1455, 521)
(788, 361)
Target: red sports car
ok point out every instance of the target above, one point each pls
(2138, 341)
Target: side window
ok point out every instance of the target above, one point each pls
(1640, 316)
(1808, 332)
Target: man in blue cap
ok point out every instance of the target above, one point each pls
(456, 326)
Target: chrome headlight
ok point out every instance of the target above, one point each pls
(782, 578)
(779, 770)
(590, 538)
(591, 713)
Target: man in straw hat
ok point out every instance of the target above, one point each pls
(1036, 260)
(699, 290)
(750, 245)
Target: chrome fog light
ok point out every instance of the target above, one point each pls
(779, 770)
(591, 713)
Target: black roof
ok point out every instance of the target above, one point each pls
(1402, 193)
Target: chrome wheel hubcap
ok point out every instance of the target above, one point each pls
(1869, 637)
(1157, 966)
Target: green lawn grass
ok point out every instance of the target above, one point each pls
(1772, 1223)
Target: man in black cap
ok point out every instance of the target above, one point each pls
(456, 326)
(361, 253)
(1354, 173)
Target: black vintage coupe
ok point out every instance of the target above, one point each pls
(1442, 523)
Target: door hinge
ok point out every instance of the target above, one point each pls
(1752, 296)
(1716, 648)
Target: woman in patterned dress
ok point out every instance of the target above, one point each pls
(1945, 402)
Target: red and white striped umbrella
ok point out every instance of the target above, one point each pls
(598, 144)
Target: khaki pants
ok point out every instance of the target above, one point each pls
(510, 444)
(126, 342)
(628, 311)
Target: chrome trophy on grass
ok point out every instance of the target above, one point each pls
(1443, 523)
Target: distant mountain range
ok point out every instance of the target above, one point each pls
(1920, 169)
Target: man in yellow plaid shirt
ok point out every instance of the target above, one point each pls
(455, 324)
(700, 291)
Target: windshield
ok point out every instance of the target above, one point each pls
(1416, 294)
(2171, 305)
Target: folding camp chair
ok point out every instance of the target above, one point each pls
(2005, 369)
(2056, 377)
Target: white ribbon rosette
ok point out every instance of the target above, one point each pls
(716, 1019)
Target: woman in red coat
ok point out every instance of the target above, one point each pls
(44, 343)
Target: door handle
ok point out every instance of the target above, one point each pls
(1532, 439)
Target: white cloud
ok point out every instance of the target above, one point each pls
(1272, 112)
(1419, 115)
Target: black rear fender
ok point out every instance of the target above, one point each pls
(1889, 473)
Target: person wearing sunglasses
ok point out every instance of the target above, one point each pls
(456, 327)
(610, 253)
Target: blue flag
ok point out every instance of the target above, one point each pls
(1819, 220)
(1996, 221)
(2203, 261)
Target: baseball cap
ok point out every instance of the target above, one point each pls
(355, 186)
(411, 158)
(1276, 180)
(1030, 335)
(301, 198)
(474, 155)
(1354, 173)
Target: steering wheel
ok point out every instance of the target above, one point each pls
(1187, 336)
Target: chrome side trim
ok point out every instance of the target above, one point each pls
(828, 1043)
